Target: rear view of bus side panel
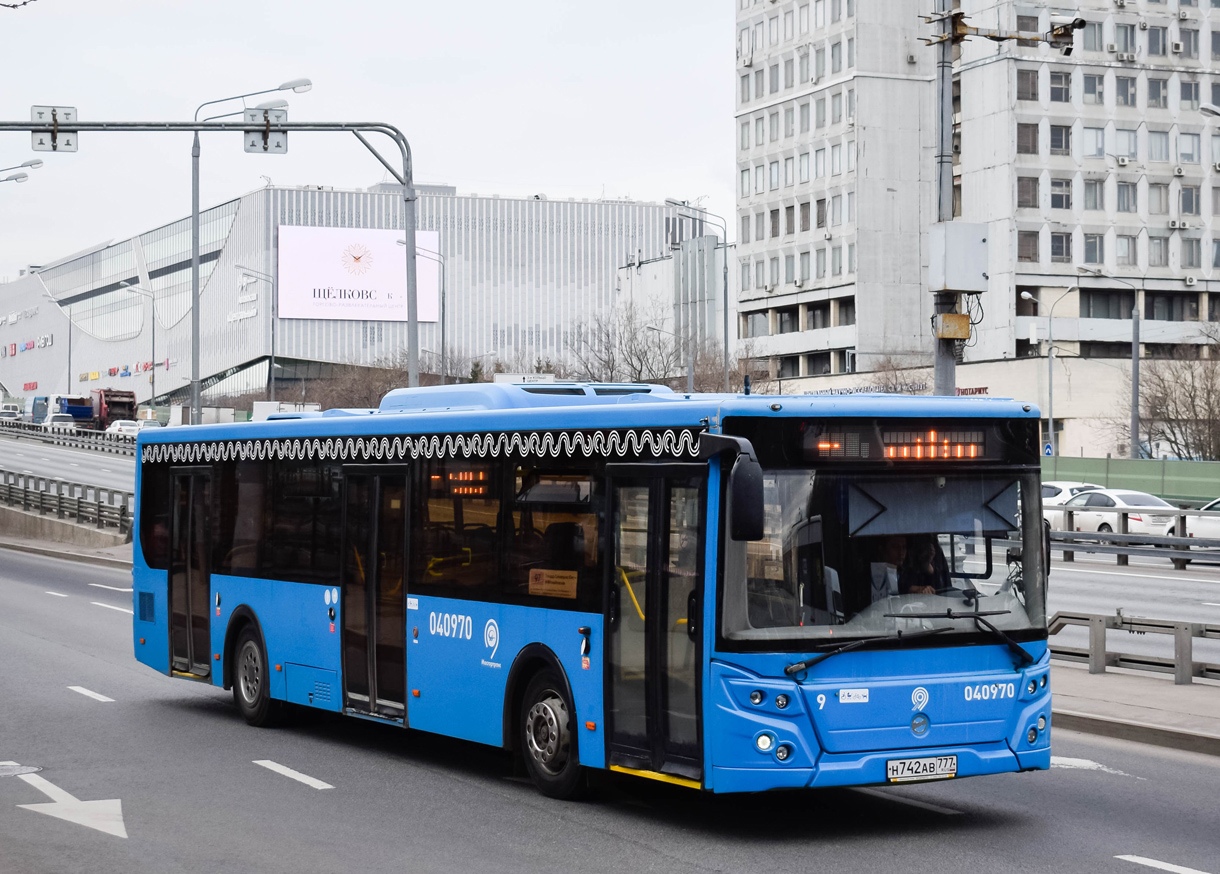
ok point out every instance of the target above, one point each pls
(150, 585)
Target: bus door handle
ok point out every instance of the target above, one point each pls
(612, 616)
(692, 615)
(585, 647)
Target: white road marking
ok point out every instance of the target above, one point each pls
(1080, 570)
(105, 816)
(295, 775)
(106, 470)
(73, 464)
(111, 588)
(112, 607)
(1209, 604)
(91, 694)
(1083, 765)
(57, 594)
(923, 805)
(1160, 866)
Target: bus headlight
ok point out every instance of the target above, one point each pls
(764, 742)
(1032, 736)
(1041, 723)
(756, 697)
(781, 701)
(1032, 687)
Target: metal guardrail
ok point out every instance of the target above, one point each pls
(100, 441)
(88, 505)
(1182, 665)
(1124, 544)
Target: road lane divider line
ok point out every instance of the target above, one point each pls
(1160, 866)
(112, 607)
(922, 805)
(1107, 573)
(295, 775)
(89, 693)
(1209, 604)
(111, 588)
(57, 594)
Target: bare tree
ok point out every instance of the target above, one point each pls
(1179, 401)
(897, 376)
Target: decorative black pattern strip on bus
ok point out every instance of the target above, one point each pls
(625, 443)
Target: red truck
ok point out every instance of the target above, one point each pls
(112, 405)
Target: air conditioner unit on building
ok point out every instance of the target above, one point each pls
(1123, 160)
(1129, 56)
(1111, 47)
(1178, 171)
(1190, 280)
(1183, 226)
(799, 283)
(1182, 15)
(910, 57)
(1173, 224)
(1216, 166)
(1121, 4)
(1176, 48)
(827, 235)
(1143, 25)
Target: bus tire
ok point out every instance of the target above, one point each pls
(251, 684)
(547, 737)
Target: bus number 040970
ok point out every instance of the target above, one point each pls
(995, 690)
(450, 625)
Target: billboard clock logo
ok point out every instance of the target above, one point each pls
(357, 259)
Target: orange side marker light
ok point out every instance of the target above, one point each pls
(414, 693)
(592, 726)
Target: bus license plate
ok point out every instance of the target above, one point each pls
(931, 768)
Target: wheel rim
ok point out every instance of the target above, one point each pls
(546, 733)
(250, 673)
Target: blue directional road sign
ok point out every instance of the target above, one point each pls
(1047, 450)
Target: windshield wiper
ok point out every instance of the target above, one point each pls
(859, 644)
(980, 623)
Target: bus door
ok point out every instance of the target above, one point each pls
(653, 611)
(374, 567)
(189, 581)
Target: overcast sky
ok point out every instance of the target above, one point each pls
(571, 98)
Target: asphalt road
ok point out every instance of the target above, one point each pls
(109, 470)
(182, 763)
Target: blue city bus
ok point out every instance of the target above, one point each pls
(729, 593)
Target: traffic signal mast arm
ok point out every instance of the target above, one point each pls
(1060, 35)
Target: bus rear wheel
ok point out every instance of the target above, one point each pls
(546, 738)
(251, 685)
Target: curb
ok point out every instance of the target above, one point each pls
(1140, 732)
(84, 558)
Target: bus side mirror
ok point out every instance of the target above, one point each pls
(746, 500)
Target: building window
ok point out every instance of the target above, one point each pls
(745, 135)
(1061, 194)
(1157, 39)
(1158, 93)
(774, 223)
(1027, 24)
(847, 312)
(773, 78)
(745, 229)
(821, 112)
(789, 73)
(760, 131)
(1124, 37)
(1127, 144)
(836, 108)
(1189, 201)
(1105, 350)
(789, 366)
(760, 275)
(1061, 248)
(836, 210)
(790, 220)
(819, 163)
(821, 264)
(836, 160)
(773, 119)
(1061, 139)
(836, 261)
(1096, 304)
(1124, 251)
(1127, 193)
(851, 53)
(1215, 148)
(789, 121)
(1094, 249)
(1188, 148)
(760, 179)
(745, 275)
(1027, 84)
(787, 321)
(803, 166)
(757, 325)
(774, 175)
(805, 216)
(1214, 301)
(1191, 253)
(1171, 306)
(1027, 192)
(1190, 95)
(1124, 91)
(1095, 90)
(851, 257)
(1094, 142)
(1061, 87)
(851, 206)
(1027, 139)
(760, 226)
(805, 266)
(1094, 194)
(1215, 45)
(1190, 42)
(760, 84)
(819, 64)
(790, 270)
(773, 29)
(836, 57)
(775, 271)
(1158, 199)
(1158, 145)
(1027, 246)
(745, 182)
(745, 88)
(1158, 251)
(789, 171)
(1091, 40)
(804, 118)
(821, 212)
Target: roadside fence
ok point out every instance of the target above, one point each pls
(1182, 665)
(88, 505)
(100, 441)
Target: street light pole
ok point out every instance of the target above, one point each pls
(1050, 365)
(439, 259)
(299, 86)
(725, 225)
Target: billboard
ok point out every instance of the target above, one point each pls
(354, 274)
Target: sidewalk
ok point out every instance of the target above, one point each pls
(109, 556)
(1137, 705)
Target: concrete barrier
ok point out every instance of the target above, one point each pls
(32, 526)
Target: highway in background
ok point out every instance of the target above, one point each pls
(109, 470)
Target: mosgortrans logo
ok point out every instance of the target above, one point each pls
(491, 640)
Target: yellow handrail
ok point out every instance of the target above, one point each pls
(631, 592)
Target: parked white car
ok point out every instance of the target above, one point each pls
(1055, 494)
(1088, 511)
(1199, 526)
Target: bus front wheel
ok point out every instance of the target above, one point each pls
(546, 738)
(251, 691)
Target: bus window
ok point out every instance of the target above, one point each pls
(238, 532)
(554, 552)
(455, 530)
(154, 515)
(305, 512)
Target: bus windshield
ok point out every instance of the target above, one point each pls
(846, 553)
